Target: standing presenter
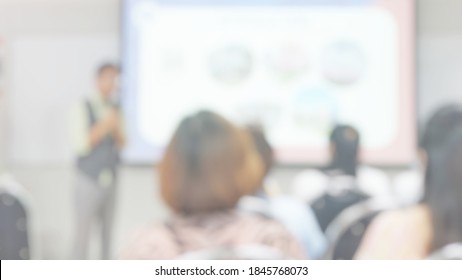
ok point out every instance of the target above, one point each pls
(98, 136)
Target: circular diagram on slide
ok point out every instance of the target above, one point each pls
(288, 61)
(231, 64)
(344, 63)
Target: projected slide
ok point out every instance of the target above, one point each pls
(296, 67)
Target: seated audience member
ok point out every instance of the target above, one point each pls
(342, 190)
(409, 185)
(266, 153)
(415, 232)
(311, 184)
(344, 150)
(291, 212)
(207, 167)
(345, 145)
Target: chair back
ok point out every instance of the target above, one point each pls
(14, 223)
(346, 232)
(330, 205)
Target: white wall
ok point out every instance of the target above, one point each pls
(439, 54)
(439, 59)
(52, 48)
(39, 127)
(440, 71)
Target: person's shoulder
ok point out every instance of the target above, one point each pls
(261, 224)
(288, 204)
(272, 233)
(392, 223)
(402, 215)
(309, 185)
(395, 234)
(153, 241)
(391, 218)
(263, 230)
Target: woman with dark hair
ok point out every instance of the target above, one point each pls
(207, 167)
(344, 146)
(444, 193)
(415, 232)
(409, 185)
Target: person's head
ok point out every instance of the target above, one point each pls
(437, 142)
(436, 133)
(444, 194)
(438, 128)
(106, 79)
(344, 144)
(208, 165)
(263, 147)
